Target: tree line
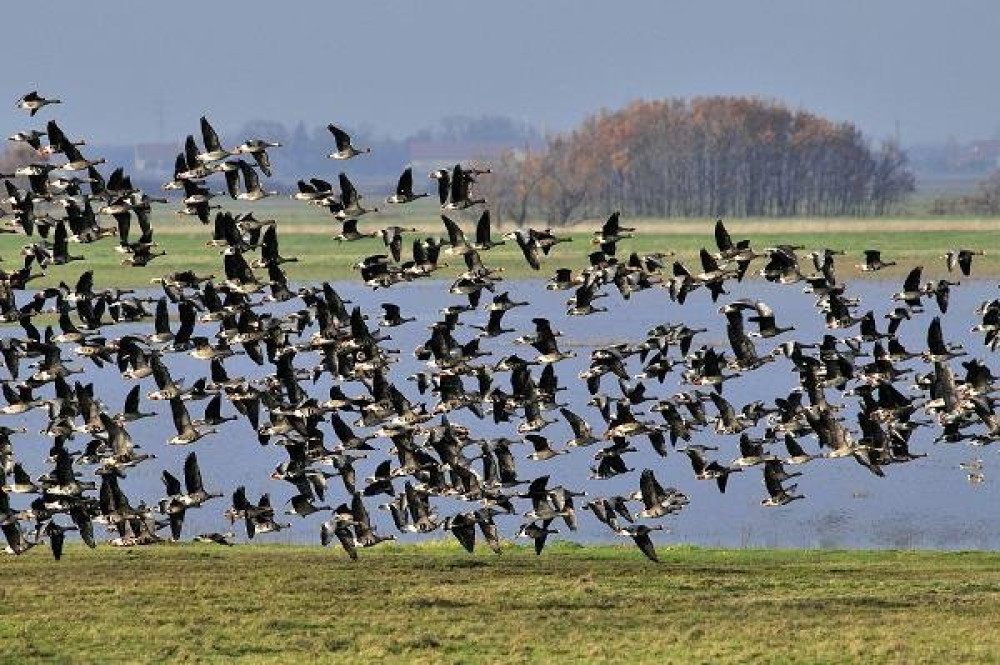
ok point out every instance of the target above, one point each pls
(985, 200)
(712, 156)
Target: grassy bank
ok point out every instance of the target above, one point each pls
(322, 258)
(433, 603)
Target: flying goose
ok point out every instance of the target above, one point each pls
(774, 475)
(32, 102)
(213, 147)
(539, 533)
(963, 259)
(31, 137)
(404, 189)
(705, 470)
(344, 148)
(640, 536)
(257, 148)
(656, 500)
(873, 261)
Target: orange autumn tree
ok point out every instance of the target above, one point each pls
(728, 156)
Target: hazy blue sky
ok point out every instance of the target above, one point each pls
(399, 66)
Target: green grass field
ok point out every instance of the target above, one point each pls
(307, 233)
(433, 603)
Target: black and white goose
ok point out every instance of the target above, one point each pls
(33, 102)
(344, 148)
(213, 147)
(404, 189)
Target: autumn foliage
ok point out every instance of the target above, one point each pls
(713, 156)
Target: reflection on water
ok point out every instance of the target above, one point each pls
(926, 503)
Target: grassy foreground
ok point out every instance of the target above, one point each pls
(432, 603)
(322, 258)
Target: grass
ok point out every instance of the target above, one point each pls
(308, 236)
(432, 603)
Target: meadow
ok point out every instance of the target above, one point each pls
(433, 603)
(307, 233)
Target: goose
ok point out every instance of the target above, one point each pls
(610, 460)
(186, 432)
(751, 453)
(460, 193)
(188, 166)
(493, 326)
(583, 434)
(483, 240)
(546, 240)
(213, 147)
(713, 273)
(302, 506)
(130, 411)
(542, 450)
(392, 316)
(17, 543)
(539, 533)
(350, 201)
(251, 182)
(937, 349)
(443, 178)
(912, 291)
(215, 538)
(873, 261)
(656, 500)
(640, 536)
(260, 518)
(20, 482)
(582, 302)
(392, 237)
(315, 191)
(529, 247)
(75, 161)
(55, 534)
(563, 280)
(941, 290)
(796, 454)
(344, 148)
(196, 495)
(340, 530)
(765, 320)
(463, 527)
(604, 511)
(962, 258)
(457, 244)
(32, 102)
(774, 475)
(257, 148)
(122, 454)
(20, 400)
(404, 189)
(31, 137)
(611, 233)
(705, 470)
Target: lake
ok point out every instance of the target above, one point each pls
(927, 503)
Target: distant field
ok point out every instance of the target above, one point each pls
(434, 604)
(307, 233)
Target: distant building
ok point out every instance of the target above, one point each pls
(984, 151)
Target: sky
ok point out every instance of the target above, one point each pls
(132, 71)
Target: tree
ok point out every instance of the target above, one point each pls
(705, 157)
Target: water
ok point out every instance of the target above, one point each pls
(926, 503)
